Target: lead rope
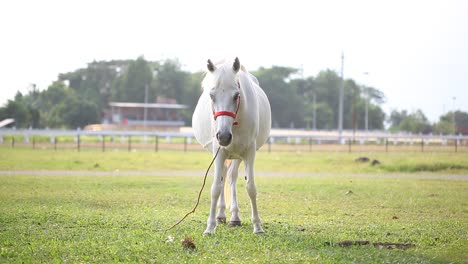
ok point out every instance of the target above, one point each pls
(199, 194)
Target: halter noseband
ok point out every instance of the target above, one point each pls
(227, 113)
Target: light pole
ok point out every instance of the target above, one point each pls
(340, 106)
(453, 117)
(145, 109)
(366, 91)
(314, 111)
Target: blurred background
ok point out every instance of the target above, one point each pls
(401, 66)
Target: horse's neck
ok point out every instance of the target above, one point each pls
(248, 102)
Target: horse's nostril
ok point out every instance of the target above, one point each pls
(224, 138)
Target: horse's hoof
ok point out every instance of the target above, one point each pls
(259, 232)
(221, 220)
(208, 233)
(235, 223)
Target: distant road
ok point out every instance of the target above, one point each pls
(201, 173)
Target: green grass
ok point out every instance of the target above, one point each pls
(299, 162)
(119, 218)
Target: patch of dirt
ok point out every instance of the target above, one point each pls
(362, 159)
(380, 245)
(188, 243)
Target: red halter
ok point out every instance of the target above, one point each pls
(227, 113)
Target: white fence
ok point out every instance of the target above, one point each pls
(279, 140)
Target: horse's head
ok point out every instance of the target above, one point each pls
(224, 91)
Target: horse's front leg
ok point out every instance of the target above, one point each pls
(221, 216)
(216, 188)
(233, 172)
(252, 190)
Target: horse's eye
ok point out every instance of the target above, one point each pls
(236, 96)
(212, 96)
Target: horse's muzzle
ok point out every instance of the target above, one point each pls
(224, 138)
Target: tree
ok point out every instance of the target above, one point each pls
(324, 117)
(51, 102)
(170, 81)
(22, 110)
(286, 105)
(366, 97)
(34, 117)
(376, 117)
(61, 106)
(131, 85)
(295, 101)
(415, 122)
(94, 82)
(78, 112)
(452, 122)
(328, 83)
(396, 118)
(17, 111)
(306, 91)
(191, 95)
(352, 116)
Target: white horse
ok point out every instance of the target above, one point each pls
(233, 113)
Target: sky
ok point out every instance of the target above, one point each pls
(415, 52)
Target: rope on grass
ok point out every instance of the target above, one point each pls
(199, 194)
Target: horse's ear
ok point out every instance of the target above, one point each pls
(211, 66)
(236, 65)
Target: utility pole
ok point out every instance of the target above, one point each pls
(145, 113)
(366, 91)
(314, 109)
(453, 117)
(340, 108)
(354, 114)
(367, 110)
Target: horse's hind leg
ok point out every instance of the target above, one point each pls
(233, 172)
(252, 191)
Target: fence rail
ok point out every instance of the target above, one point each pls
(280, 140)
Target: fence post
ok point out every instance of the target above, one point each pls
(269, 144)
(310, 144)
(55, 143)
(456, 145)
(78, 142)
(185, 144)
(386, 144)
(422, 145)
(349, 145)
(34, 142)
(103, 143)
(13, 141)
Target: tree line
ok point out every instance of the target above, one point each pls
(81, 97)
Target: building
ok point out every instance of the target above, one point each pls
(165, 113)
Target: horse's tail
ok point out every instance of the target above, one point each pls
(227, 190)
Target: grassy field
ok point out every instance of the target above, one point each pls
(119, 218)
(292, 162)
